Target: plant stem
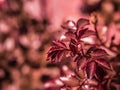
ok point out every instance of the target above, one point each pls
(101, 42)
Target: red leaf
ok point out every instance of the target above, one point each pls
(59, 55)
(69, 25)
(84, 33)
(70, 35)
(82, 22)
(96, 52)
(56, 55)
(100, 87)
(100, 75)
(53, 49)
(91, 49)
(81, 63)
(99, 53)
(57, 51)
(59, 44)
(88, 33)
(73, 46)
(51, 52)
(80, 32)
(91, 69)
(103, 63)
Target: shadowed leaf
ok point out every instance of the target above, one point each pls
(103, 63)
(100, 87)
(59, 55)
(73, 46)
(81, 63)
(91, 49)
(91, 69)
(100, 76)
(99, 53)
(96, 52)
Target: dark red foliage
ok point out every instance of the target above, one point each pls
(90, 59)
(91, 69)
(96, 52)
(57, 51)
(73, 46)
(82, 33)
(103, 63)
(81, 63)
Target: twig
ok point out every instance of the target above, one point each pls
(101, 42)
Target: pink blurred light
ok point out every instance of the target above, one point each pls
(4, 28)
(24, 40)
(32, 7)
(59, 82)
(1, 1)
(9, 44)
(62, 37)
(65, 68)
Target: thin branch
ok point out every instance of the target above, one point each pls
(101, 42)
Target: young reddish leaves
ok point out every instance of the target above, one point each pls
(59, 44)
(82, 22)
(73, 46)
(82, 33)
(90, 60)
(57, 51)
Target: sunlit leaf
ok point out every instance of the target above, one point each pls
(70, 80)
(88, 33)
(84, 33)
(69, 25)
(59, 44)
(70, 35)
(82, 22)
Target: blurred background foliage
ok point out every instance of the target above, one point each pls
(27, 28)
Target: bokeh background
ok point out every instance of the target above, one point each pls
(27, 28)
